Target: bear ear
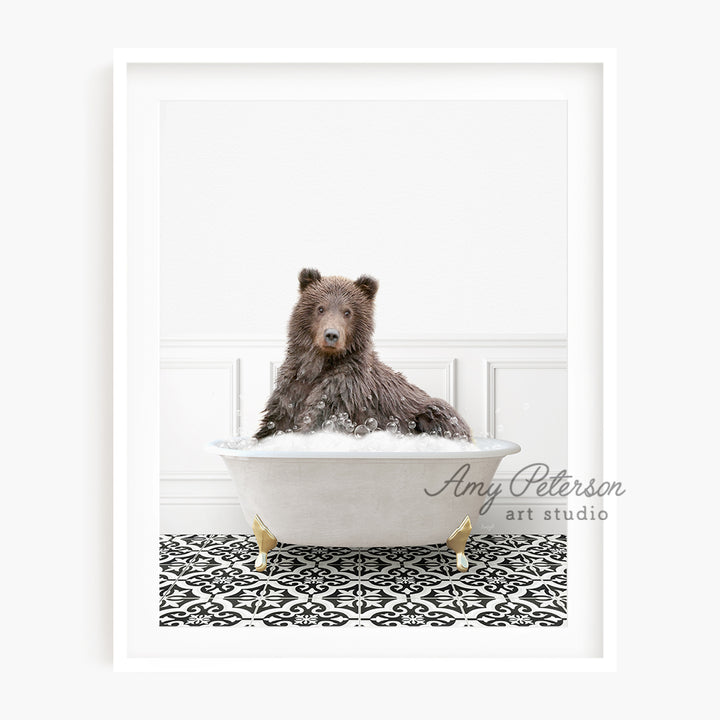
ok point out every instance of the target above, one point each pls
(369, 285)
(307, 277)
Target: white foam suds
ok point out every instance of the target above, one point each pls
(378, 441)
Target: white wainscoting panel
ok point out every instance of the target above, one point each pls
(511, 387)
(198, 402)
(527, 403)
(435, 376)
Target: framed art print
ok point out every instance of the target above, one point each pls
(330, 266)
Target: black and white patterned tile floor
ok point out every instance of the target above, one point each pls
(513, 580)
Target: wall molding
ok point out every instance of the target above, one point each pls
(447, 366)
(204, 500)
(201, 475)
(511, 364)
(520, 340)
(232, 367)
(221, 514)
(233, 500)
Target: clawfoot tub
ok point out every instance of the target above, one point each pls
(361, 498)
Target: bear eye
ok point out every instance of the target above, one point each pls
(347, 313)
(321, 309)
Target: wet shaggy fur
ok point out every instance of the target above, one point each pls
(331, 367)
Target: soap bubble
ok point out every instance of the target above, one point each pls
(333, 418)
(411, 424)
(364, 409)
(453, 420)
(295, 427)
(306, 419)
(447, 434)
(392, 427)
(402, 399)
(324, 397)
(328, 426)
(371, 424)
(361, 439)
(290, 406)
(320, 405)
(270, 425)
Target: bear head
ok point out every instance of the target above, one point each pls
(334, 315)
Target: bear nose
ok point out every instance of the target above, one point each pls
(331, 336)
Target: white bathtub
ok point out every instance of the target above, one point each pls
(362, 499)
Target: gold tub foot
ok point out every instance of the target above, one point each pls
(456, 542)
(266, 542)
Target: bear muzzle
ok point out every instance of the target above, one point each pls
(330, 340)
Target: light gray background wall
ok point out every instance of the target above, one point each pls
(458, 208)
(456, 199)
(56, 363)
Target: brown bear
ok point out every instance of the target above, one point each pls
(332, 378)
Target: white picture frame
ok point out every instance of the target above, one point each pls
(588, 641)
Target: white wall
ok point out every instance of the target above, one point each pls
(56, 296)
(458, 207)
